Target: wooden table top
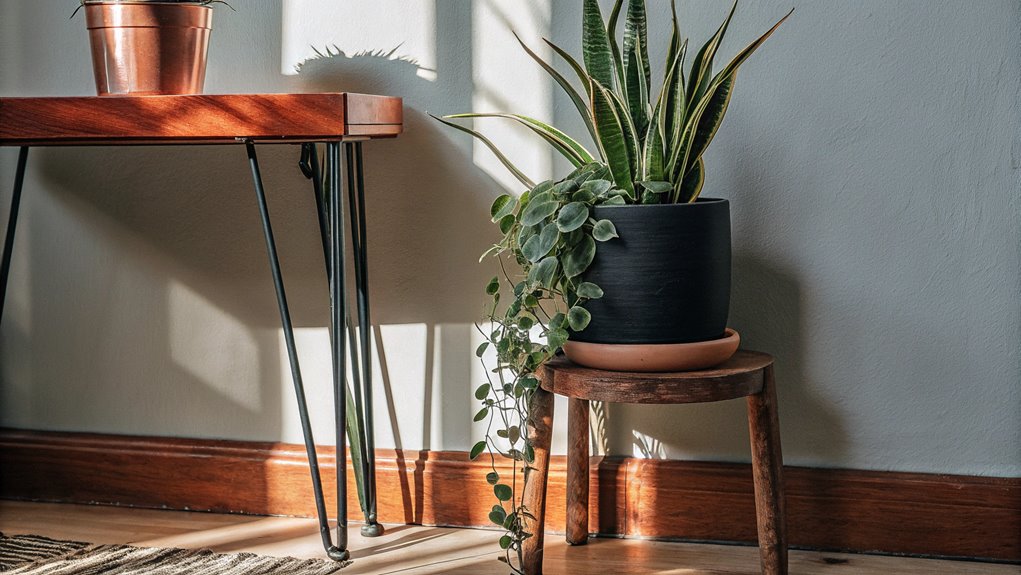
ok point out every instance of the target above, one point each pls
(198, 119)
(740, 376)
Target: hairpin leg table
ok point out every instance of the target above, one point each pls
(338, 120)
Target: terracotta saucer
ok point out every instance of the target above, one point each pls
(658, 357)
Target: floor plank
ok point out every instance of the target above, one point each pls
(412, 550)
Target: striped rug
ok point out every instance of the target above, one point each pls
(34, 555)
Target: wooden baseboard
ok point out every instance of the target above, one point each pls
(891, 512)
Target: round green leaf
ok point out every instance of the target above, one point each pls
(556, 338)
(589, 290)
(502, 206)
(596, 187)
(580, 257)
(572, 216)
(548, 237)
(531, 249)
(505, 541)
(543, 272)
(604, 230)
(492, 478)
(498, 516)
(482, 391)
(503, 492)
(507, 222)
(565, 187)
(538, 209)
(525, 322)
(557, 321)
(477, 449)
(481, 350)
(481, 414)
(494, 286)
(579, 318)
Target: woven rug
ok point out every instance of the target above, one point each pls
(34, 555)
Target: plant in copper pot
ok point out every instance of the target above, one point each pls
(148, 47)
(622, 254)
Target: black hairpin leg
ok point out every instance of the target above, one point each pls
(356, 196)
(337, 552)
(12, 223)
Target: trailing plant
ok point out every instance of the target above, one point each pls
(648, 150)
(550, 232)
(653, 145)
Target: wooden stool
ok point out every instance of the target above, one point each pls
(747, 374)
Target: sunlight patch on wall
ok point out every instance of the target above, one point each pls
(213, 346)
(506, 79)
(407, 27)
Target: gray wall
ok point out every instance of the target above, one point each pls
(871, 154)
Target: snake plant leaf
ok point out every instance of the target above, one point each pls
(611, 137)
(566, 145)
(675, 111)
(604, 231)
(637, 96)
(630, 134)
(690, 186)
(596, 44)
(578, 318)
(675, 34)
(572, 216)
(580, 103)
(578, 259)
(492, 147)
(611, 35)
(707, 121)
(701, 67)
(635, 37)
(731, 68)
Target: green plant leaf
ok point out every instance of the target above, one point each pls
(493, 287)
(503, 492)
(604, 230)
(611, 36)
(579, 318)
(543, 272)
(566, 145)
(548, 237)
(578, 259)
(595, 44)
(589, 290)
(637, 99)
(556, 338)
(481, 350)
(492, 478)
(701, 66)
(477, 450)
(502, 206)
(482, 391)
(538, 209)
(635, 38)
(507, 223)
(492, 147)
(572, 216)
(498, 515)
(482, 413)
(706, 122)
(580, 103)
(505, 541)
(611, 137)
(691, 186)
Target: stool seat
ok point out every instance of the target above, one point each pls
(740, 376)
(747, 374)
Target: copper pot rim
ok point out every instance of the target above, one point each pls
(134, 14)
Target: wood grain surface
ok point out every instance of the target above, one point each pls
(892, 512)
(197, 119)
(740, 376)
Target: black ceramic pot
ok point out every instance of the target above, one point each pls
(666, 279)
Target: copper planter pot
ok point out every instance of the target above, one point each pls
(146, 48)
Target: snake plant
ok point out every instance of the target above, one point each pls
(652, 145)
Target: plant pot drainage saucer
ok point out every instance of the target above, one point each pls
(658, 357)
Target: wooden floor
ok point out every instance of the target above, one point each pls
(432, 550)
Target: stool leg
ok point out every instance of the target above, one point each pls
(540, 430)
(577, 471)
(767, 472)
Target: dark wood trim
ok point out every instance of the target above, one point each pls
(892, 512)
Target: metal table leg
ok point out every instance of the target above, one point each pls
(337, 552)
(356, 195)
(12, 222)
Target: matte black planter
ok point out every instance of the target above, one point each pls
(666, 279)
